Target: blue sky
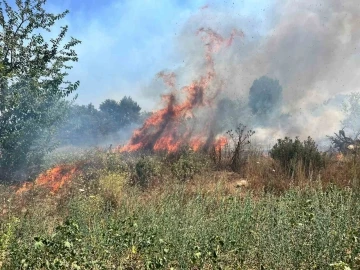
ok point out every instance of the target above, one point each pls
(126, 42)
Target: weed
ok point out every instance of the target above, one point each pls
(200, 221)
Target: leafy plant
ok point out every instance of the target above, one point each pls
(188, 165)
(32, 85)
(7, 232)
(62, 250)
(293, 154)
(145, 170)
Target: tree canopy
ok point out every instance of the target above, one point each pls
(265, 96)
(86, 125)
(120, 114)
(33, 84)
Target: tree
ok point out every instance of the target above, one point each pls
(32, 84)
(129, 110)
(120, 114)
(84, 126)
(111, 115)
(265, 96)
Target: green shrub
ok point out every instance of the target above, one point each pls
(146, 169)
(294, 155)
(188, 165)
(62, 250)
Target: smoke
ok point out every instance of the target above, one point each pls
(312, 47)
(177, 124)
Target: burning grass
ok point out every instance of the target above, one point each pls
(53, 179)
(192, 214)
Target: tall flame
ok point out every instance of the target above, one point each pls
(174, 126)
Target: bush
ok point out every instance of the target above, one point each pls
(294, 155)
(145, 170)
(188, 165)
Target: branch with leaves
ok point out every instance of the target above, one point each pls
(33, 81)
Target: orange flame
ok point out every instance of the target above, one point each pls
(197, 143)
(174, 125)
(220, 143)
(52, 179)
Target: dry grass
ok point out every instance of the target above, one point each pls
(263, 175)
(206, 205)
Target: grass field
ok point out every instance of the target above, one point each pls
(122, 211)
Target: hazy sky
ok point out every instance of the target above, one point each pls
(310, 46)
(126, 42)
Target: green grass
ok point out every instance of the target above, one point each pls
(176, 212)
(302, 229)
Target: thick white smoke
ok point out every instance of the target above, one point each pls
(311, 46)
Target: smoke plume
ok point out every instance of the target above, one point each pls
(311, 47)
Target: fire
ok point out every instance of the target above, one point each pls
(176, 124)
(220, 143)
(52, 179)
(196, 143)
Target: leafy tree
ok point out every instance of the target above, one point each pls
(129, 111)
(32, 84)
(111, 115)
(265, 96)
(83, 126)
(120, 114)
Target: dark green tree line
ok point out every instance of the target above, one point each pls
(85, 125)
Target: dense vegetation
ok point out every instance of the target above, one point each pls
(234, 207)
(33, 85)
(35, 114)
(84, 125)
(181, 211)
